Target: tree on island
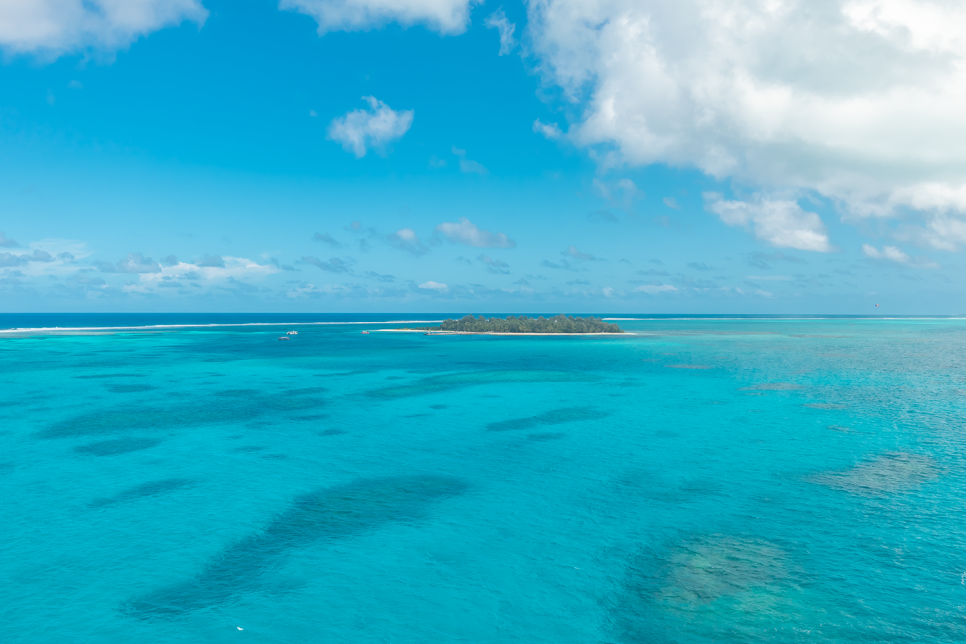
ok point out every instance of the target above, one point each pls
(526, 324)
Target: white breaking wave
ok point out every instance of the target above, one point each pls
(200, 326)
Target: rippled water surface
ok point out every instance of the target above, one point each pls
(703, 480)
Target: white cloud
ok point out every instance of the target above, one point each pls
(498, 20)
(896, 254)
(888, 252)
(654, 289)
(466, 232)
(549, 130)
(444, 16)
(54, 27)
(862, 101)
(230, 268)
(433, 286)
(360, 130)
(771, 278)
(780, 222)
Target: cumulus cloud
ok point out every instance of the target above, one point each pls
(780, 222)
(602, 217)
(6, 242)
(671, 202)
(433, 286)
(576, 254)
(861, 101)
(133, 263)
(360, 130)
(468, 233)
(54, 27)
(444, 16)
(498, 20)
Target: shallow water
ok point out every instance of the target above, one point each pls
(705, 480)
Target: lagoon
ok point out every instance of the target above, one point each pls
(741, 480)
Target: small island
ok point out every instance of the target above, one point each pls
(558, 324)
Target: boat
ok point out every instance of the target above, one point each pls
(283, 337)
(365, 333)
(292, 333)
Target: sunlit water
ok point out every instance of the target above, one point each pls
(705, 480)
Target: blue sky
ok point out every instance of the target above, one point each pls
(374, 156)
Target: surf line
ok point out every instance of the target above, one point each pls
(200, 326)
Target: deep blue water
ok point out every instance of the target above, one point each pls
(728, 480)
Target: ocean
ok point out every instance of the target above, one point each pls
(705, 479)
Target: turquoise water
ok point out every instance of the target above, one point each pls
(706, 480)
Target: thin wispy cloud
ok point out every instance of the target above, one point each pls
(671, 202)
(379, 278)
(547, 130)
(572, 251)
(761, 260)
(334, 265)
(700, 266)
(133, 263)
(494, 265)
(498, 20)
(468, 166)
(327, 239)
(406, 239)
(210, 261)
(896, 255)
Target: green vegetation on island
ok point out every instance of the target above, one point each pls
(526, 324)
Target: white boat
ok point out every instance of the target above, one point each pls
(365, 333)
(292, 333)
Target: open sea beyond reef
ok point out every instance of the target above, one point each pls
(712, 479)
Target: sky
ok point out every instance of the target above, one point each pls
(618, 156)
